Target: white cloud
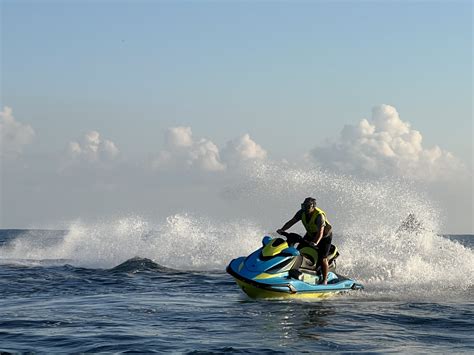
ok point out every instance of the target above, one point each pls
(206, 155)
(182, 151)
(386, 145)
(92, 148)
(243, 149)
(179, 137)
(13, 134)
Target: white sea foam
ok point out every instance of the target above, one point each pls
(181, 241)
(367, 216)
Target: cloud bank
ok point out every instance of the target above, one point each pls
(184, 152)
(14, 136)
(194, 169)
(386, 146)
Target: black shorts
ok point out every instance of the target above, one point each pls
(324, 246)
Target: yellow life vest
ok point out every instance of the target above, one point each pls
(311, 226)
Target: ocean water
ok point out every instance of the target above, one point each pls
(69, 291)
(130, 284)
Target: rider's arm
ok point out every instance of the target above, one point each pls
(320, 236)
(291, 222)
(321, 223)
(288, 224)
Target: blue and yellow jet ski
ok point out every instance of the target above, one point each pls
(288, 269)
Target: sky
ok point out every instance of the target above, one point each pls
(111, 107)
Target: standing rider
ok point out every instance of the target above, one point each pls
(318, 231)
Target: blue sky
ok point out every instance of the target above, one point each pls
(237, 67)
(292, 75)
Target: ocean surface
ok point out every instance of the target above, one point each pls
(121, 287)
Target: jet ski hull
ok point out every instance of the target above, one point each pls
(282, 285)
(263, 293)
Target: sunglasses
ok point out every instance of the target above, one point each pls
(306, 206)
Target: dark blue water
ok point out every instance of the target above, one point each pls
(51, 304)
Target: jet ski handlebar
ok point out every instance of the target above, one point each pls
(291, 238)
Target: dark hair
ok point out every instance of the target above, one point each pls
(309, 201)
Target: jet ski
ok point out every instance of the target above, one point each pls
(288, 268)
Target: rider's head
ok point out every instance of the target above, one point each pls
(308, 204)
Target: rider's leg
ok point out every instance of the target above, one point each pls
(325, 267)
(324, 247)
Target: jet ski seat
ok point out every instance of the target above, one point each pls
(309, 261)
